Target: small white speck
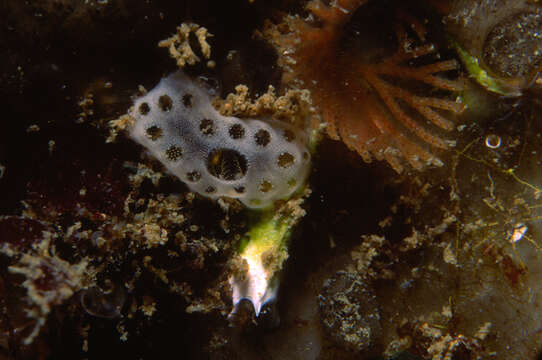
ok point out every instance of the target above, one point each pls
(33, 128)
(51, 146)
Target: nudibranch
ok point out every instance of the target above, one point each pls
(255, 161)
(372, 106)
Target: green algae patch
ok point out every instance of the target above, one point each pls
(267, 238)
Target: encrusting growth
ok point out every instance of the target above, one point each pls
(359, 101)
(179, 45)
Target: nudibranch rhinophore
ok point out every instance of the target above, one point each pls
(255, 161)
(379, 107)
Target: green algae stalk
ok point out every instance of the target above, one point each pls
(503, 87)
(263, 252)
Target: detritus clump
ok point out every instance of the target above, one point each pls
(349, 311)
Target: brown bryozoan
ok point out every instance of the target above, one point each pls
(366, 103)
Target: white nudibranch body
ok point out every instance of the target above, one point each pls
(252, 160)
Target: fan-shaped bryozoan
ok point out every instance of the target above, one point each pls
(374, 107)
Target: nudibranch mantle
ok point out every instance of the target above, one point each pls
(255, 161)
